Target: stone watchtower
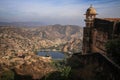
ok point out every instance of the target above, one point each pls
(90, 16)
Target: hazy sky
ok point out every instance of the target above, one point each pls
(55, 11)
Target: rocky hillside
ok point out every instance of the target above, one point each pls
(19, 44)
(73, 46)
(20, 40)
(29, 67)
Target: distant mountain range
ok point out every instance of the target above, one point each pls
(18, 24)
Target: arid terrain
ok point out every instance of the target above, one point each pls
(24, 40)
(18, 47)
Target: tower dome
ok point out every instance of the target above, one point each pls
(91, 11)
(90, 16)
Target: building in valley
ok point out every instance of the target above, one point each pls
(98, 31)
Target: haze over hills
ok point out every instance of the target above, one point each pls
(25, 24)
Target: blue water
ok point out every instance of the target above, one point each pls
(54, 55)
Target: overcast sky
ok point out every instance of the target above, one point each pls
(55, 11)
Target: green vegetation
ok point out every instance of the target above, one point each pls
(113, 49)
(62, 71)
(7, 75)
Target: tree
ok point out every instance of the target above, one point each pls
(7, 75)
(113, 49)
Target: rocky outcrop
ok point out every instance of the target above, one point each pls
(34, 66)
(73, 46)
